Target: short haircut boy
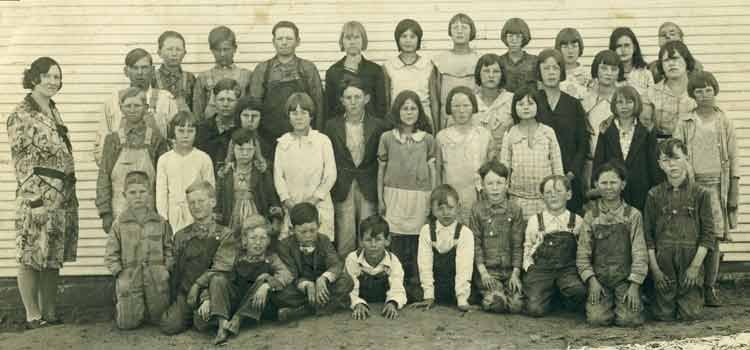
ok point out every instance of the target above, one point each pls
(242, 136)
(485, 61)
(132, 92)
(611, 166)
(227, 84)
(629, 93)
(521, 94)
(403, 26)
(351, 81)
(137, 177)
(170, 34)
(568, 36)
(245, 103)
(463, 18)
(516, 26)
(700, 80)
(353, 27)
(609, 58)
(543, 56)
(441, 194)
(219, 35)
(286, 24)
(303, 213)
(669, 50)
(373, 226)
(555, 179)
(461, 90)
(136, 55)
(668, 147)
(182, 118)
(495, 166)
(201, 185)
(254, 222)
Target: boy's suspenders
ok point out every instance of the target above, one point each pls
(540, 222)
(433, 231)
(571, 222)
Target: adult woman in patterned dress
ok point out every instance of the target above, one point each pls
(46, 220)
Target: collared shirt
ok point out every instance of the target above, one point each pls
(408, 158)
(373, 80)
(415, 77)
(459, 156)
(304, 166)
(577, 81)
(552, 223)
(323, 261)
(498, 233)
(203, 95)
(667, 106)
(597, 109)
(519, 73)
(356, 265)
(638, 252)
(464, 258)
(279, 276)
(681, 214)
(355, 138)
(640, 79)
(132, 240)
(180, 84)
(531, 163)
(626, 137)
(174, 173)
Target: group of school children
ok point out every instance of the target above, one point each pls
(487, 181)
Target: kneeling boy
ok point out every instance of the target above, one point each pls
(445, 254)
(315, 265)
(550, 249)
(612, 257)
(679, 230)
(376, 273)
(139, 255)
(498, 226)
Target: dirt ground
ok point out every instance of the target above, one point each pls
(439, 328)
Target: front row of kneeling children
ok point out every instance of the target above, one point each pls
(218, 278)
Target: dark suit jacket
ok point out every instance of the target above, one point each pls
(366, 173)
(641, 166)
(325, 258)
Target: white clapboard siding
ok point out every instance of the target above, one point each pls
(90, 39)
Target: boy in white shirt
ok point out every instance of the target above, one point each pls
(445, 256)
(549, 249)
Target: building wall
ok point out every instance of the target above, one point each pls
(90, 39)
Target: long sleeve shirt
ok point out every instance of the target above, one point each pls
(678, 216)
(174, 173)
(133, 242)
(638, 252)
(498, 234)
(324, 261)
(464, 258)
(552, 223)
(356, 265)
(304, 166)
(203, 95)
(531, 161)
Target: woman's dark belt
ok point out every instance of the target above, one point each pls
(55, 174)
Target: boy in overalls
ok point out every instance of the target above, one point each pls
(139, 255)
(445, 255)
(550, 250)
(223, 44)
(612, 257)
(376, 273)
(135, 146)
(679, 229)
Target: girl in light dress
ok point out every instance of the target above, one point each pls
(493, 100)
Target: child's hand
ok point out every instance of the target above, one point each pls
(390, 311)
(426, 304)
(288, 204)
(260, 297)
(321, 288)
(192, 297)
(360, 312)
(514, 283)
(661, 280)
(310, 291)
(632, 297)
(596, 292)
(691, 276)
(204, 311)
(488, 282)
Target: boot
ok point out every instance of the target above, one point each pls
(292, 313)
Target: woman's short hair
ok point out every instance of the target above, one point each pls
(403, 26)
(136, 55)
(170, 34)
(182, 118)
(485, 61)
(543, 56)
(619, 32)
(303, 100)
(521, 94)
(246, 102)
(227, 84)
(461, 90)
(629, 93)
(669, 50)
(132, 92)
(515, 26)
(463, 18)
(395, 114)
(569, 36)
(286, 24)
(609, 58)
(219, 35)
(353, 27)
(33, 75)
(702, 79)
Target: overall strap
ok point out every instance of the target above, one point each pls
(149, 134)
(627, 210)
(433, 231)
(153, 100)
(267, 74)
(457, 233)
(572, 221)
(184, 82)
(540, 222)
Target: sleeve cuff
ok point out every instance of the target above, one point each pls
(301, 285)
(116, 270)
(586, 274)
(429, 293)
(399, 305)
(330, 276)
(636, 279)
(356, 302)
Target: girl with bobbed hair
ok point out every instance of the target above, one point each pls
(46, 203)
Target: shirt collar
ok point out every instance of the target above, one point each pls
(617, 123)
(128, 127)
(164, 71)
(275, 62)
(682, 185)
(401, 64)
(386, 262)
(129, 216)
(357, 121)
(416, 136)
(233, 66)
(497, 206)
(439, 227)
(223, 125)
(35, 106)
